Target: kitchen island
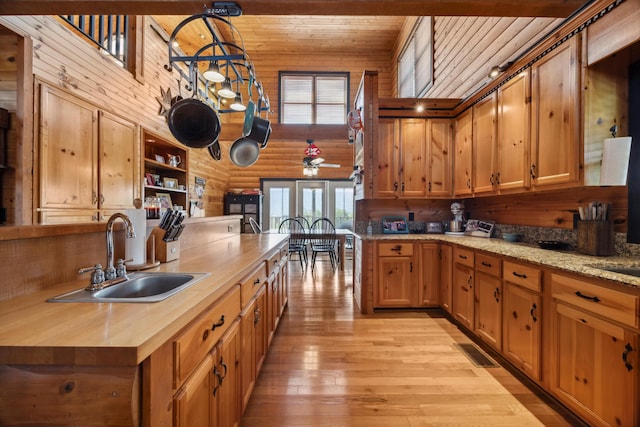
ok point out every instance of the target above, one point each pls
(98, 363)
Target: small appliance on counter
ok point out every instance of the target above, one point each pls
(478, 228)
(456, 227)
(433, 227)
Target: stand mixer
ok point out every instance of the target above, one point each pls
(457, 225)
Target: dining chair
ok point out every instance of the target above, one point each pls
(255, 226)
(297, 238)
(322, 236)
(304, 221)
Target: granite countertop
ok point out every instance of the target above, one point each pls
(569, 261)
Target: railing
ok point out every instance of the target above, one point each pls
(109, 33)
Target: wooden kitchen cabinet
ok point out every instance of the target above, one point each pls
(412, 159)
(463, 160)
(555, 118)
(513, 134)
(394, 284)
(429, 291)
(226, 371)
(463, 286)
(484, 145)
(73, 132)
(522, 316)
(600, 322)
(193, 403)
(488, 299)
(446, 276)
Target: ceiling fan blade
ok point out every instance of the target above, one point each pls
(328, 165)
(316, 160)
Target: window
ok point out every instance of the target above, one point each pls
(415, 64)
(311, 199)
(319, 98)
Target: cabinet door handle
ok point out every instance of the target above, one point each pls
(411, 267)
(498, 178)
(468, 182)
(470, 281)
(224, 366)
(581, 295)
(217, 325)
(429, 186)
(395, 186)
(217, 375)
(532, 312)
(491, 180)
(532, 171)
(486, 264)
(496, 294)
(257, 314)
(627, 349)
(522, 276)
(403, 186)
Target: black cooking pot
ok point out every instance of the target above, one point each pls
(260, 131)
(194, 123)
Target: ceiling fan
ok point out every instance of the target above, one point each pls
(312, 157)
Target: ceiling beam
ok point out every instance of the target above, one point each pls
(513, 8)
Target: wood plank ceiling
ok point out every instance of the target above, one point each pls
(548, 8)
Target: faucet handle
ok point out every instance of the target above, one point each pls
(121, 268)
(97, 276)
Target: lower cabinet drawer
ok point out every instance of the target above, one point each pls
(395, 249)
(252, 283)
(524, 275)
(618, 306)
(489, 264)
(191, 346)
(463, 256)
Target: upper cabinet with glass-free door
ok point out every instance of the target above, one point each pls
(555, 112)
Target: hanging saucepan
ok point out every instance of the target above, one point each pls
(260, 131)
(244, 151)
(194, 123)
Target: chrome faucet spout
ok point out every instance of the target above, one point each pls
(110, 272)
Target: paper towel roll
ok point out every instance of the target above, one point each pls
(136, 248)
(615, 161)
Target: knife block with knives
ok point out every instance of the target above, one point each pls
(595, 232)
(165, 236)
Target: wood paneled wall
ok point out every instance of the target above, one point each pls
(466, 48)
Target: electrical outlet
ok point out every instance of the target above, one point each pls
(411, 216)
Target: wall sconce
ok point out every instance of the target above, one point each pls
(499, 69)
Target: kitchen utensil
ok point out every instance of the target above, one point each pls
(244, 151)
(214, 151)
(174, 160)
(260, 131)
(249, 114)
(194, 123)
(511, 237)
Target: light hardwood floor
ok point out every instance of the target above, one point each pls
(331, 366)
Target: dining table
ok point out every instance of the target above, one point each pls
(341, 235)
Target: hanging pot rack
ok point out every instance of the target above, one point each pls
(230, 56)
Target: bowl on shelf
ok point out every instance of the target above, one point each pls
(236, 190)
(511, 237)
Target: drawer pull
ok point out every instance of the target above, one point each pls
(522, 276)
(396, 248)
(532, 312)
(217, 325)
(462, 256)
(256, 282)
(627, 349)
(581, 295)
(486, 264)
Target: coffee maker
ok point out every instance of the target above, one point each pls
(457, 225)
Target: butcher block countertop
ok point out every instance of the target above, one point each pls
(572, 262)
(34, 331)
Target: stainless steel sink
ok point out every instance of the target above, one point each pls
(629, 271)
(141, 287)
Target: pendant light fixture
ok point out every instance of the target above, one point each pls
(226, 91)
(213, 73)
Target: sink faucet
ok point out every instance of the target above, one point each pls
(110, 272)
